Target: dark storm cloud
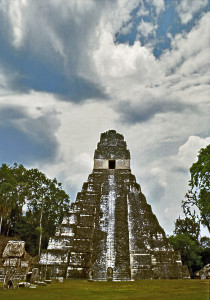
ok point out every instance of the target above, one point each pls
(38, 65)
(9, 114)
(146, 111)
(30, 72)
(24, 139)
(78, 90)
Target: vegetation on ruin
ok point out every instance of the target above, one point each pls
(142, 289)
(31, 205)
(195, 251)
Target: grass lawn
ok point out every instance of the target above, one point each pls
(142, 289)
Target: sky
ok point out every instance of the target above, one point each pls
(70, 70)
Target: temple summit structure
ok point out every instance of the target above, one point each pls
(110, 232)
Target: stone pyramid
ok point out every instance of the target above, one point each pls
(111, 232)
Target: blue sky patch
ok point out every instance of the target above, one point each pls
(168, 22)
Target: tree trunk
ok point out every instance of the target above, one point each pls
(9, 225)
(0, 223)
(40, 241)
(40, 226)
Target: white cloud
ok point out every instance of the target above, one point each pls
(3, 81)
(15, 10)
(187, 9)
(168, 179)
(121, 65)
(146, 28)
(188, 152)
(160, 175)
(60, 30)
(186, 48)
(159, 6)
(7, 79)
(119, 14)
(143, 11)
(127, 29)
(132, 72)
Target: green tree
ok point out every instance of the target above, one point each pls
(199, 193)
(186, 240)
(205, 250)
(13, 189)
(190, 251)
(195, 250)
(32, 205)
(46, 204)
(191, 226)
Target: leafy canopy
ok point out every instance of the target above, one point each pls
(199, 193)
(195, 251)
(31, 205)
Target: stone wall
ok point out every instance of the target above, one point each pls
(104, 163)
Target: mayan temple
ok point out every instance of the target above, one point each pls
(111, 233)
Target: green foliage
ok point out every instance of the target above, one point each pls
(191, 226)
(46, 203)
(13, 188)
(190, 251)
(195, 252)
(39, 229)
(28, 233)
(31, 204)
(199, 193)
(205, 250)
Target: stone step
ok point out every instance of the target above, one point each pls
(100, 276)
(121, 276)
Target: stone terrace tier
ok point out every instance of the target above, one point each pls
(112, 145)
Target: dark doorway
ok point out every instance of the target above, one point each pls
(111, 164)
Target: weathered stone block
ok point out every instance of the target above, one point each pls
(86, 220)
(14, 249)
